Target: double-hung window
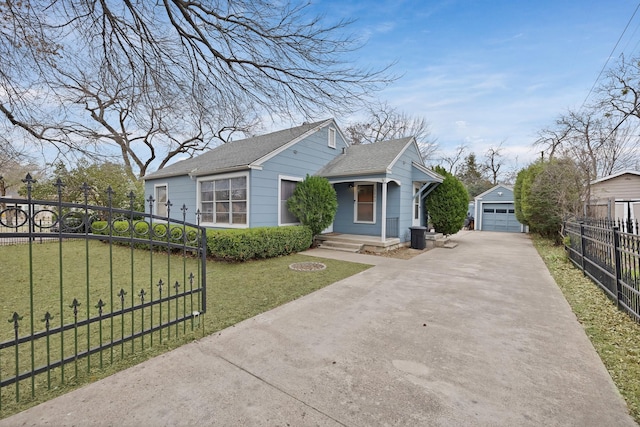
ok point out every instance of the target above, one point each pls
(224, 201)
(161, 196)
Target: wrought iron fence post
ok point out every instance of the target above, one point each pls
(29, 181)
(110, 225)
(168, 204)
(151, 201)
(618, 264)
(85, 223)
(59, 184)
(203, 249)
(582, 243)
(132, 231)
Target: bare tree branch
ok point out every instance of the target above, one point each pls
(452, 161)
(160, 79)
(386, 123)
(494, 162)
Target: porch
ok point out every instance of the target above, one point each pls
(358, 243)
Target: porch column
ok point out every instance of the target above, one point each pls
(383, 216)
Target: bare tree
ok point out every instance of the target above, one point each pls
(451, 161)
(155, 80)
(620, 92)
(494, 162)
(385, 122)
(14, 166)
(600, 142)
(146, 132)
(550, 139)
(509, 177)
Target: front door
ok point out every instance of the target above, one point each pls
(417, 206)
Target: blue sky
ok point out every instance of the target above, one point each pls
(484, 72)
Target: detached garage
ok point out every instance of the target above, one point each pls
(495, 211)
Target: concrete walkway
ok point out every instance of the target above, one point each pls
(475, 336)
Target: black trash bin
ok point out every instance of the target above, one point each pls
(418, 237)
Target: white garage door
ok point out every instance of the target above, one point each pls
(499, 217)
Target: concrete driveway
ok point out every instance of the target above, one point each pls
(474, 336)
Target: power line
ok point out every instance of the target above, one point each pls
(609, 57)
(626, 116)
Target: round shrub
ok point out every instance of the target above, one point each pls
(447, 205)
(314, 203)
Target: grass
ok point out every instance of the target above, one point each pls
(235, 292)
(614, 335)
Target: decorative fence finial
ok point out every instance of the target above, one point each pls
(151, 200)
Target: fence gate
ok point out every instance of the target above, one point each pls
(83, 288)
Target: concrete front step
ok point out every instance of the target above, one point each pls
(444, 242)
(341, 246)
(357, 243)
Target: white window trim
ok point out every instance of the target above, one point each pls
(332, 137)
(223, 176)
(355, 202)
(155, 196)
(280, 179)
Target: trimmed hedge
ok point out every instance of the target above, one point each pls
(256, 243)
(224, 244)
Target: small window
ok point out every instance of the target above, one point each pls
(161, 197)
(512, 211)
(488, 210)
(503, 211)
(332, 138)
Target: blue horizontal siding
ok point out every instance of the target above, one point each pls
(305, 157)
(493, 196)
(181, 192)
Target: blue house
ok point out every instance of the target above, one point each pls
(380, 187)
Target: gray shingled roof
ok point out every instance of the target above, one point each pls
(365, 159)
(234, 155)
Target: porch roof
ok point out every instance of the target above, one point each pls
(366, 159)
(373, 162)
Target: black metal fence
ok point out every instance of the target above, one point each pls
(611, 258)
(83, 287)
(627, 225)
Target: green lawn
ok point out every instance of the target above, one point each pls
(615, 336)
(235, 291)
